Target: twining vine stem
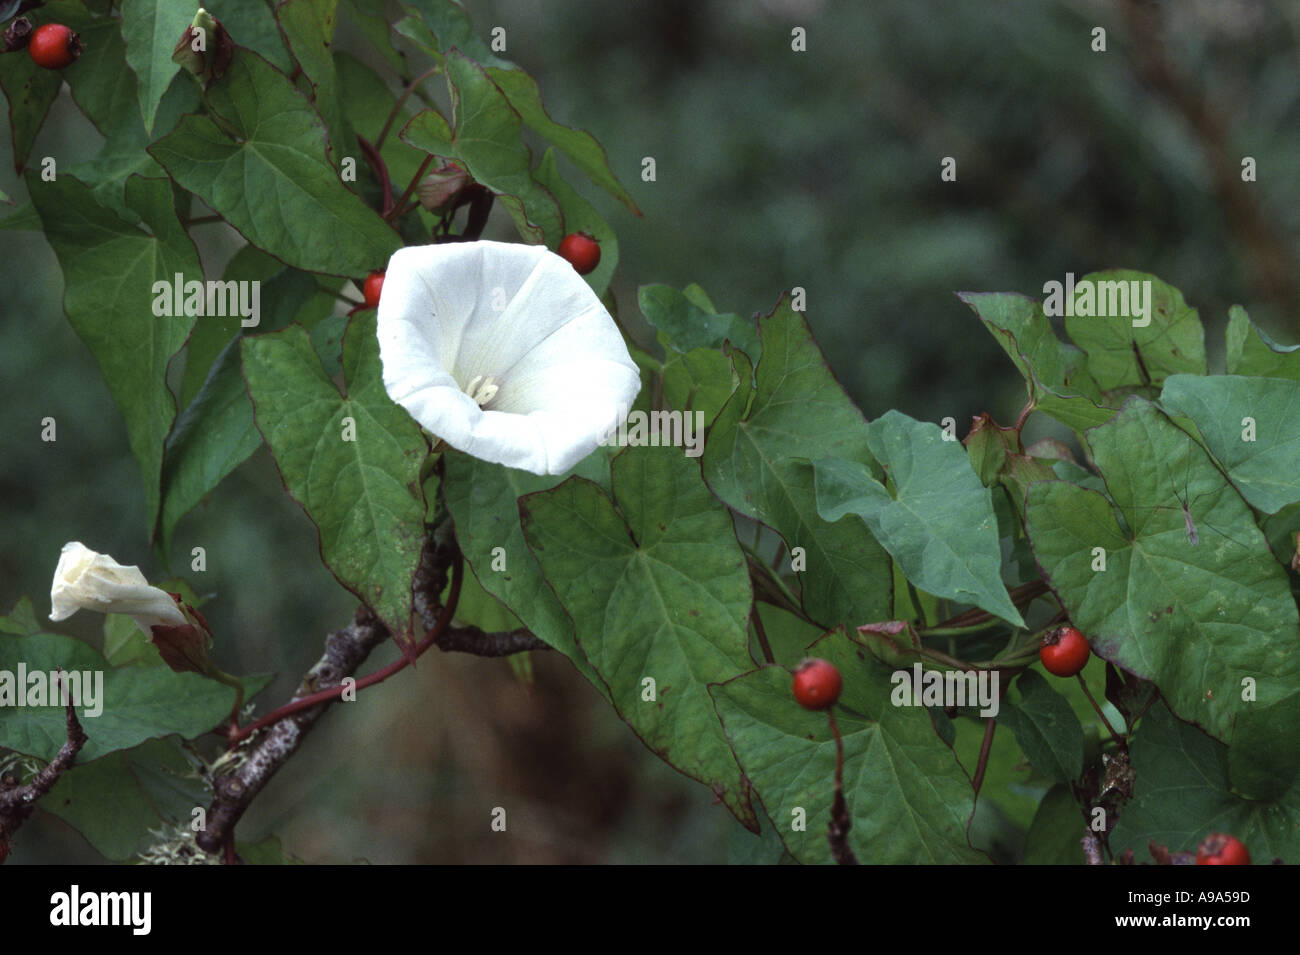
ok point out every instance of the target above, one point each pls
(236, 736)
(397, 107)
(841, 822)
(400, 207)
(1119, 740)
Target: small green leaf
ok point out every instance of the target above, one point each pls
(450, 25)
(308, 27)
(21, 620)
(1046, 728)
(1122, 355)
(213, 436)
(267, 175)
(251, 24)
(1194, 617)
(101, 86)
(1182, 794)
(353, 462)
(1055, 372)
(428, 131)
(110, 267)
(483, 500)
(580, 215)
(30, 90)
(138, 703)
(1262, 458)
(487, 138)
(658, 591)
(151, 32)
(115, 801)
(579, 145)
(1252, 352)
(23, 219)
(908, 798)
(125, 643)
(685, 326)
(1055, 834)
(938, 523)
(756, 460)
(365, 109)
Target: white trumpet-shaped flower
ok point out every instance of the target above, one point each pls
(85, 580)
(504, 352)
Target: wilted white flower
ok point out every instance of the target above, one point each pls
(504, 352)
(85, 580)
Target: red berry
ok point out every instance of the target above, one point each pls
(1219, 848)
(581, 251)
(53, 46)
(1064, 651)
(817, 684)
(373, 286)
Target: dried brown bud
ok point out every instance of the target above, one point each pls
(17, 34)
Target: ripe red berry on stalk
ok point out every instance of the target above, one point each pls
(53, 46)
(1219, 848)
(372, 288)
(1064, 651)
(817, 684)
(581, 251)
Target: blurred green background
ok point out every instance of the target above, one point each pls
(776, 169)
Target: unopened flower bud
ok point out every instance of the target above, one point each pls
(205, 48)
(440, 187)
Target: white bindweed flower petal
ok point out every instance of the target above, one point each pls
(504, 352)
(85, 580)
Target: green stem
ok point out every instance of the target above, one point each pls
(1119, 740)
(961, 631)
(221, 676)
(757, 563)
(921, 613)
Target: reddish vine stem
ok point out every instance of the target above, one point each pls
(398, 209)
(397, 107)
(333, 693)
(1021, 595)
(762, 636)
(841, 822)
(1025, 412)
(380, 169)
(990, 726)
(345, 650)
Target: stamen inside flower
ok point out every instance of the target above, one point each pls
(482, 390)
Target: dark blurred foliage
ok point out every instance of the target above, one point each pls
(775, 169)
